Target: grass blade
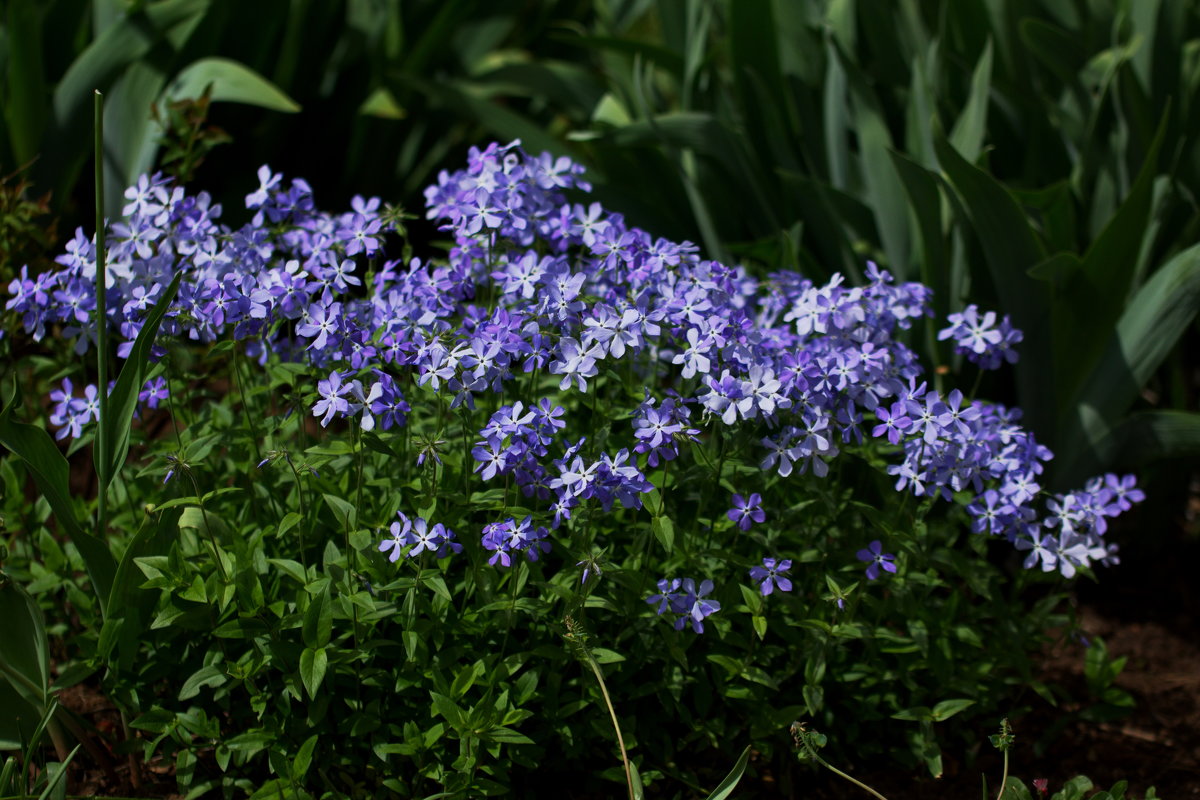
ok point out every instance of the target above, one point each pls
(734, 777)
(123, 400)
(967, 135)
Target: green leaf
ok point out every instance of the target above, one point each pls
(25, 107)
(291, 568)
(814, 699)
(24, 649)
(639, 787)
(836, 118)
(1148, 330)
(925, 202)
(123, 43)
(313, 664)
(450, 711)
(1057, 269)
(231, 82)
(725, 788)
(211, 676)
(318, 620)
(50, 471)
(948, 708)
(1011, 249)
(664, 531)
(916, 714)
(289, 521)
(506, 736)
(280, 789)
(344, 512)
(303, 759)
(122, 402)
(129, 602)
(967, 135)
(1149, 436)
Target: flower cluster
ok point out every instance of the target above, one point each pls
(980, 339)
(534, 284)
(685, 601)
(508, 537)
(420, 537)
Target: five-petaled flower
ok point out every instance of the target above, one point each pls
(874, 554)
(746, 511)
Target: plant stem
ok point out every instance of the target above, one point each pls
(208, 527)
(100, 316)
(1003, 776)
(591, 661)
(802, 738)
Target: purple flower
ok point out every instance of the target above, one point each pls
(746, 511)
(333, 398)
(398, 539)
(771, 574)
(877, 558)
(682, 598)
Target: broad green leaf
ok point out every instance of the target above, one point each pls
(883, 190)
(969, 129)
(345, 513)
(122, 402)
(450, 711)
(24, 104)
(506, 736)
(127, 601)
(123, 43)
(50, 470)
(292, 568)
(1057, 269)
(231, 82)
(280, 789)
(915, 714)
(304, 757)
(24, 649)
(1149, 436)
(925, 203)
(318, 620)
(1148, 330)
(664, 531)
(313, 664)
(1093, 299)
(726, 787)
(1011, 248)
(638, 788)
(948, 708)
(208, 676)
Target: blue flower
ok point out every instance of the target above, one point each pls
(874, 554)
(746, 511)
(682, 598)
(771, 575)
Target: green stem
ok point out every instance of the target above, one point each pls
(1003, 776)
(812, 753)
(101, 319)
(303, 513)
(612, 713)
(208, 527)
